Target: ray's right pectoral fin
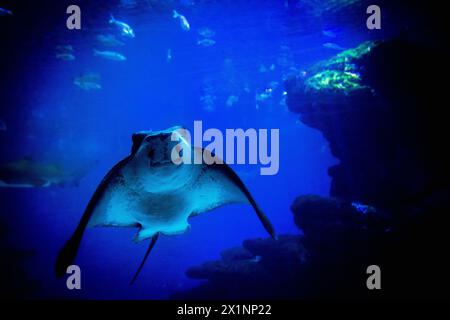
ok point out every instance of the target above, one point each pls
(68, 253)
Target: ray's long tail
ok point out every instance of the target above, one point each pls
(150, 247)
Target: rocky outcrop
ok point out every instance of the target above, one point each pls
(320, 264)
(328, 261)
(261, 268)
(387, 128)
(331, 258)
(380, 107)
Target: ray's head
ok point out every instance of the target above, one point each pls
(162, 151)
(155, 146)
(152, 160)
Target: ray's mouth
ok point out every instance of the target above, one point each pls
(154, 162)
(151, 153)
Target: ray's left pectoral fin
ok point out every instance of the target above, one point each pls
(238, 182)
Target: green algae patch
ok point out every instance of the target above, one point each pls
(340, 73)
(334, 80)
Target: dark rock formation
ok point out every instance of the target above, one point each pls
(342, 242)
(329, 261)
(261, 268)
(388, 130)
(380, 108)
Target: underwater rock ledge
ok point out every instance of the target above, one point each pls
(321, 263)
(380, 107)
(329, 260)
(261, 268)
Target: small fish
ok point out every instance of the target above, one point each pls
(128, 4)
(110, 55)
(333, 46)
(208, 102)
(282, 103)
(124, 28)
(363, 208)
(64, 48)
(169, 55)
(65, 56)
(88, 81)
(109, 40)
(64, 52)
(187, 3)
(231, 100)
(183, 21)
(263, 96)
(5, 12)
(206, 33)
(2, 125)
(329, 33)
(206, 42)
(87, 85)
(255, 259)
(273, 84)
(263, 68)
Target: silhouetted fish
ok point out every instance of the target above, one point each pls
(26, 173)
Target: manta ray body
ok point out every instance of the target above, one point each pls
(147, 190)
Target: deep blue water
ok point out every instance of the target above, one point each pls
(50, 119)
